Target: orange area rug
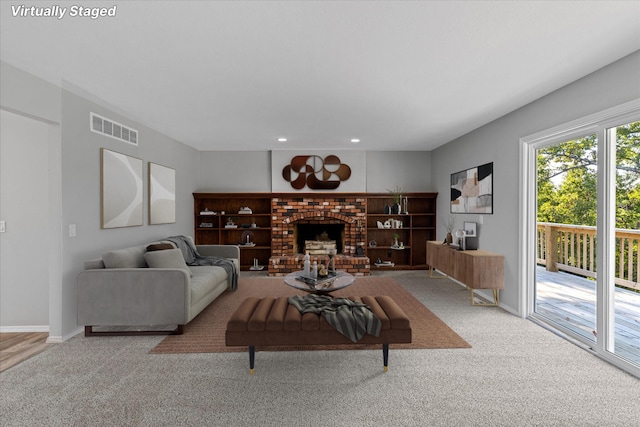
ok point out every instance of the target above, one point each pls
(205, 333)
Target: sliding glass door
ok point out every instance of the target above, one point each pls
(565, 285)
(581, 232)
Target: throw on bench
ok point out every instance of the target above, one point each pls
(274, 322)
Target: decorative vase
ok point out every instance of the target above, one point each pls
(331, 265)
(387, 209)
(449, 238)
(395, 209)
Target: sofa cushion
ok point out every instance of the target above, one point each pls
(170, 258)
(132, 257)
(204, 280)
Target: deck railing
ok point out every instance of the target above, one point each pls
(572, 248)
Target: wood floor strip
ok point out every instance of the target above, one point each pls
(16, 347)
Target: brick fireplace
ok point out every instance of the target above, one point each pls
(289, 211)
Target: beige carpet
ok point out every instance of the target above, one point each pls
(205, 333)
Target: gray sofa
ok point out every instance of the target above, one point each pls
(132, 287)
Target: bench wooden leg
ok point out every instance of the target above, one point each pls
(252, 358)
(385, 356)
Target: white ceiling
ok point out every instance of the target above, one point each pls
(399, 75)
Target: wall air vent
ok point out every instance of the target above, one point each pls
(113, 129)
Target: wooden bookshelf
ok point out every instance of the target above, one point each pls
(211, 229)
(418, 225)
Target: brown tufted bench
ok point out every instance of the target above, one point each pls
(273, 321)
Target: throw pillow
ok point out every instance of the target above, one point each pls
(170, 258)
(132, 257)
(160, 247)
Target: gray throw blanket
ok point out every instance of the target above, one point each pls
(192, 257)
(351, 318)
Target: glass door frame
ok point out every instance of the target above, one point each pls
(600, 124)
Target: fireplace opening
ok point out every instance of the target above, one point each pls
(318, 232)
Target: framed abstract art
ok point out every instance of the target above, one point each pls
(162, 194)
(472, 190)
(121, 190)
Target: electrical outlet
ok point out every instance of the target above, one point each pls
(72, 230)
(2, 227)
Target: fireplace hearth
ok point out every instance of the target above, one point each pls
(296, 219)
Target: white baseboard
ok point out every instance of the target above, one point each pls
(51, 339)
(509, 309)
(489, 298)
(57, 339)
(27, 328)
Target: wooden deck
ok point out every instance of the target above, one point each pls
(570, 301)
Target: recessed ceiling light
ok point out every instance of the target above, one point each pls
(355, 140)
(282, 139)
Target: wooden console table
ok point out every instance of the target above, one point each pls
(476, 269)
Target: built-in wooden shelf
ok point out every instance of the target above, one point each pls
(418, 225)
(210, 228)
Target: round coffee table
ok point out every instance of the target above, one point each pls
(340, 281)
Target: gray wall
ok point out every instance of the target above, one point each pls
(245, 172)
(409, 170)
(234, 172)
(25, 94)
(498, 142)
(81, 190)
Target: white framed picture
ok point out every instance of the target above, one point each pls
(121, 190)
(162, 194)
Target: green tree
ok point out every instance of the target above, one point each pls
(567, 176)
(628, 176)
(576, 197)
